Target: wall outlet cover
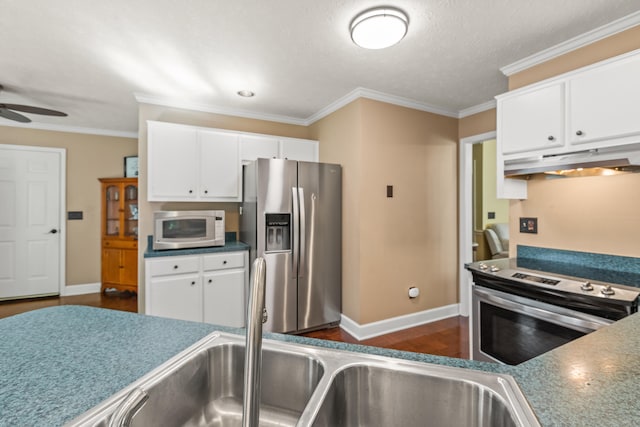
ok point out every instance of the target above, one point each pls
(529, 225)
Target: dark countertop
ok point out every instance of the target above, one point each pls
(58, 362)
(231, 245)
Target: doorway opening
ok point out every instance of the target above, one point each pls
(479, 206)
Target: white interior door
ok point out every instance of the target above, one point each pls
(30, 223)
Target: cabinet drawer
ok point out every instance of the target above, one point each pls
(174, 265)
(120, 244)
(223, 261)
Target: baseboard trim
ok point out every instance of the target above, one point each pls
(381, 327)
(89, 288)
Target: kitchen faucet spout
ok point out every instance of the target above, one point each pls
(256, 316)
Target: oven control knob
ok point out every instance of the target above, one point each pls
(587, 286)
(607, 290)
(493, 269)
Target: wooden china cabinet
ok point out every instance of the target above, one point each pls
(120, 234)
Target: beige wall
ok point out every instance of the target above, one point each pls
(407, 240)
(596, 214)
(195, 118)
(477, 124)
(89, 157)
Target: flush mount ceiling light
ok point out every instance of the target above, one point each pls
(379, 28)
(246, 93)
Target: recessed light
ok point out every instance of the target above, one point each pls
(246, 93)
(379, 28)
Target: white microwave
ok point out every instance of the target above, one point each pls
(188, 229)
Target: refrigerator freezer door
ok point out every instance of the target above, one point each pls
(274, 180)
(320, 266)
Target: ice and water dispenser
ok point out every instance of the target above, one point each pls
(278, 228)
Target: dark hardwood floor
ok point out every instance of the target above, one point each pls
(448, 337)
(116, 301)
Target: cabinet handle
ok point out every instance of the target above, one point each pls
(206, 191)
(579, 133)
(193, 283)
(224, 262)
(175, 267)
(210, 280)
(551, 138)
(190, 191)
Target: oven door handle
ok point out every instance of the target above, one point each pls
(558, 315)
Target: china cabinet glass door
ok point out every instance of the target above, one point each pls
(131, 211)
(113, 210)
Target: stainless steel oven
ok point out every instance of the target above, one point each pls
(518, 314)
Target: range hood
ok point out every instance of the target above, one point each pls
(594, 162)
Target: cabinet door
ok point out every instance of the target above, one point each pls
(254, 147)
(177, 297)
(129, 270)
(604, 103)
(224, 298)
(110, 265)
(172, 162)
(220, 175)
(532, 121)
(299, 149)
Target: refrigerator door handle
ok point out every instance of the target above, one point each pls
(303, 233)
(294, 230)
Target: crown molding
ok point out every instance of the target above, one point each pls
(489, 105)
(570, 45)
(72, 129)
(208, 108)
(378, 96)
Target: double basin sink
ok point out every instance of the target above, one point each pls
(309, 386)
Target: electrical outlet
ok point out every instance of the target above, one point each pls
(529, 225)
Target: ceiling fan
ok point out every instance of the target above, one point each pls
(7, 111)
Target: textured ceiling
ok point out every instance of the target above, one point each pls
(89, 57)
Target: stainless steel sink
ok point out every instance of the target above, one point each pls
(366, 395)
(312, 386)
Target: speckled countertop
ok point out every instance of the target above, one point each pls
(59, 362)
(230, 245)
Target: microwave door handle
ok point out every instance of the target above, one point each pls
(303, 233)
(294, 232)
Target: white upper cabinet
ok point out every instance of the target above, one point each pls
(605, 103)
(220, 170)
(532, 120)
(254, 147)
(197, 164)
(593, 107)
(266, 147)
(299, 149)
(187, 163)
(172, 162)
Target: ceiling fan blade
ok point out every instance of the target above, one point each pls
(11, 115)
(33, 110)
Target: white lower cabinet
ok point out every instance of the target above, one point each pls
(209, 288)
(224, 298)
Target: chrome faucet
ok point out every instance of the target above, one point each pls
(256, 316)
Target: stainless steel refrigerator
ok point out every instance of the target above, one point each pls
(291, 216)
